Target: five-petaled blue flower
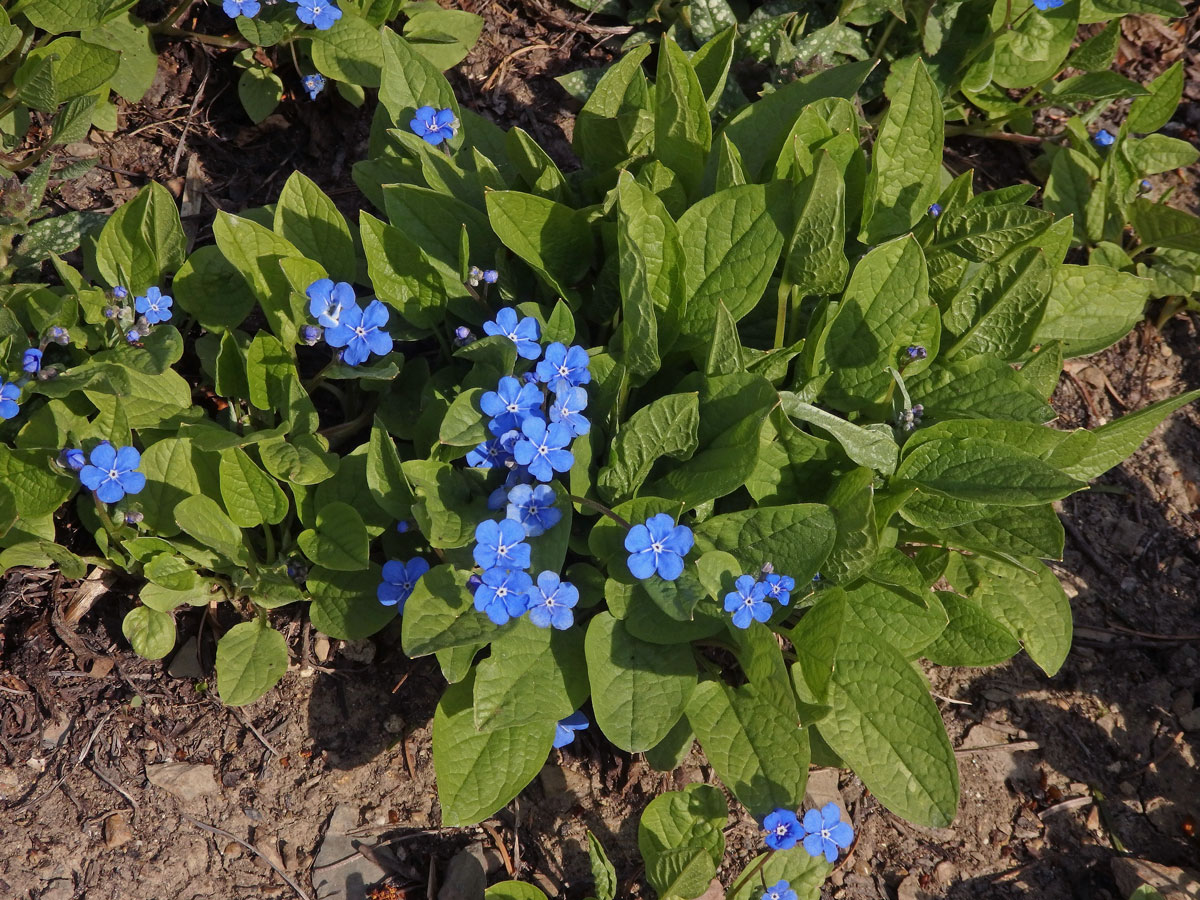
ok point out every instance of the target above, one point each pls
(359, 331)
(502, 594)
(326, 300)
(510, 404)
(550, 602)
(72, 459)
(562, 367)
(1103, 138)
(433, 125)
(780, 587)
(112, 473)
(524, 332)
(780, 890)
(31, 360)
(564, 732)
(1044, 5)
(155, 306)
(500, 544)
(319, 13)
(749, 602)
(541, 449)
(825, 832)
(659, 545)
(314, 84)
(9, 394)
(935, 209)
(567, 410)
(247, 8)
(399, 580)
(783, 831)
(533, 507)
(487, 455)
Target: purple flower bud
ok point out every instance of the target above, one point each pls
(310, 334)
(133, 517)
(491, 276)
(935, 209)
(110, 312)
(768, 568)
(403, 527)
(916, 352)
(72, 459)
(120, 292)
(59, 335)
(473, 583)
(1145, 185)
(530, 378)
(133, 336)
(462, 333)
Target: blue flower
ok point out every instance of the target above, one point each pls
(359, 332)
(1101, 138)
(524, 332)
(825, 832)
(502, 594)
(59, 335)
(310, 334)
(462, 335)
(120, 292)
(112, 473)
(562, 368)
(567, 410)
(133, 335)
(155, 306)
(541, 449)
(403, 527)
(399, 580)
(487, 455)
(247, 8)
(780, 890)
(783, 829)
(935, 209)
(31, 360)
(550, 602)
(510, 404)
(314, 84)
(433, 125)
(9, 394)
(326, 300)
(749, 602)
(780, 587)
(1044, 5)
(318, 13)
(533, 507)
(491, 276)
(72, 459)
(658, 546)
(500, 544)
(564, 731)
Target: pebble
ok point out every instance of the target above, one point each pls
(1190, 722)
(116, 831)
(945, 872)
(186, 781)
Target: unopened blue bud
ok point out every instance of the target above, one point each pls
(935, 209)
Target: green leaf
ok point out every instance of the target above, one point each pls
(616, 119)
(385, 477)
(256, 252)
(643, 223)
(260, 91)
(681, 840)
(971, 637)
(867, 447)
(37, 490)
(1157, 153)
(75, 68)
(1097, 53)
(513, 890)
(350, 51)
(815, 261)
(639, 327)
(1117, 440)
(171, 572)
(604, 876)
(307, 218)
(1159, 225)
(876, 319)
(667, 426)
(478, 772)
(532, 675)
(345, 605)
(1092, 307)
(211, 288)
(403, 274)
(251, 658)
(711, 62)
(446, 510)
(755, 746)
(805, 874)
(906, 160)
(275, 385)
(339, 541)
(731, 242)
(59, 16)
(535, 166)
(1151, 113)
(440, 614)
(981, 471)
(639, 690)
(150, 632)
(682, 128)
(816, 640)
(555, 239)
(203, 519)
(142, 241)
(796, 539)
(909, 625)
(435, 223)
(1034, 48)
(410, 81)
(443, 36)
(999, 309)
(886, 727)
(464, 425)
(977, 387)
(251, 496)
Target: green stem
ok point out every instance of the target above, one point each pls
(173, 16)
(270, 541)
(749, 874)
(338, 433)
(600, 508)
(215, 40)
(781, 310)
(883, 38)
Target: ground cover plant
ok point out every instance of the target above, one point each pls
(686, 437)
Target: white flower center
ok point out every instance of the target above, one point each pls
(563, 371)
(113, 474)
(656, 547)
(360, 331)
(781, 830)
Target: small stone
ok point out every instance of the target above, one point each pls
(1190, 722)
(466, 875)
(233, 850)
(1182, 703)
(10, 783)
(82, 149)
(58, 889)
(321, 648)
(394, 724)
(116, 831)
(186, 661)
(910, 889)
(945, 872)
(53, 732)
(1093, 819)
(187, 781)
(822, 788)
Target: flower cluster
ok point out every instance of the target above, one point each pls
(32, 359)
(822, 831)
(109, 472)
(137, 321)
(750, 601)
(320, 14)
(358, 331)
(434, 125)
(533, 420)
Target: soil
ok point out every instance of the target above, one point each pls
(126, 778)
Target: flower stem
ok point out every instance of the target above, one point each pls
(749, 874)
(600, 508)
